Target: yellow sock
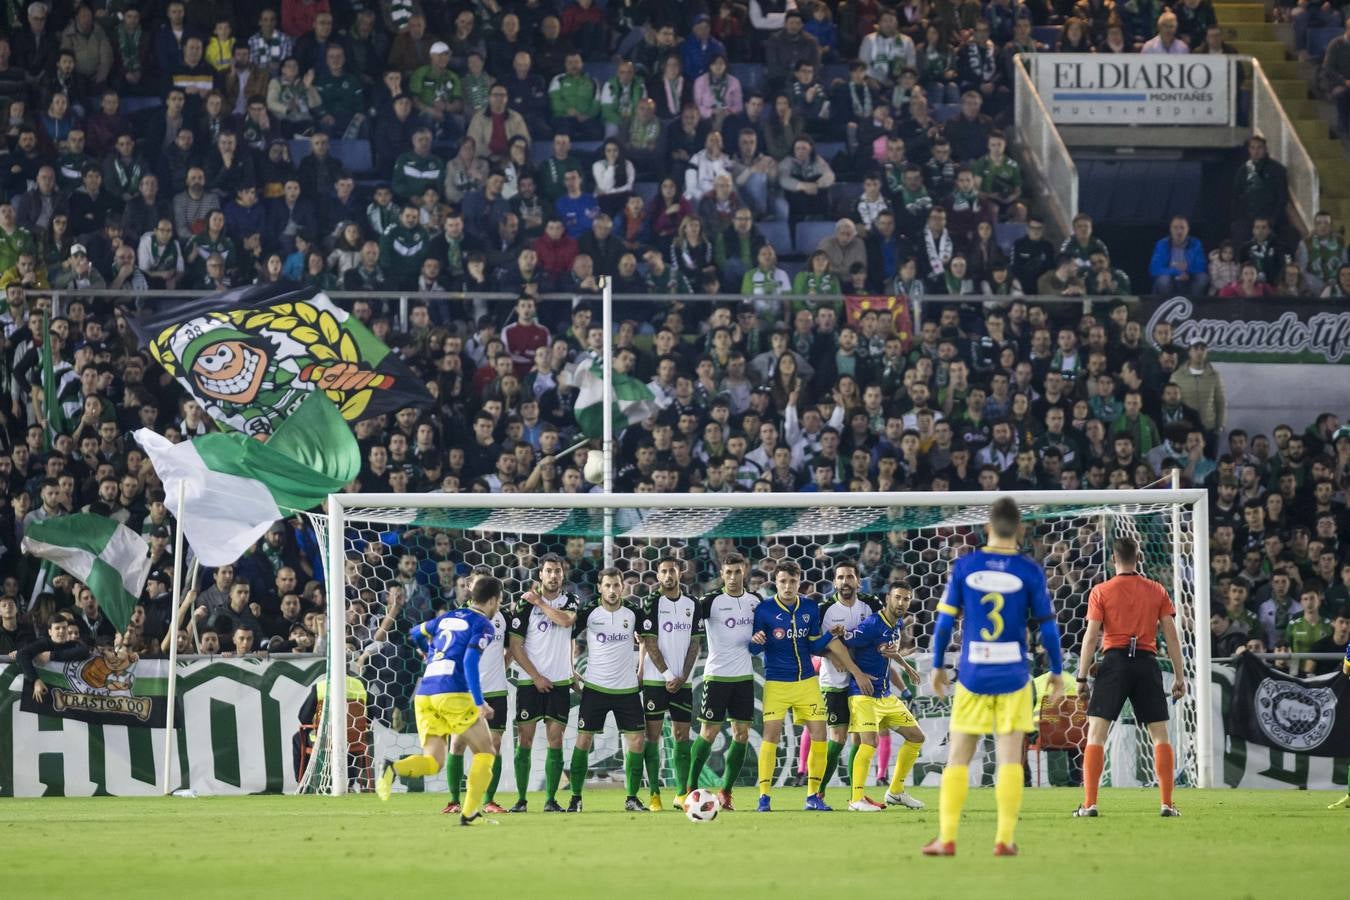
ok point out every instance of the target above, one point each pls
(480, 773)
(768, 761)
(418, 765)
(862, 764)
(951, 798)
(904, 763)
(1008, 796)
(815, 766)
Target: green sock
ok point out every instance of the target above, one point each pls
(632, 772)
(735, 759)
(682, 758)
(581, 760)
(832, 751)
(698, 756)
(454, 774)
(652, 755)
(852, 752)
(522, 772)
(491, 794)
(553, 769)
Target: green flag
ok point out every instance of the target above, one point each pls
(109, 557)
(633, 401)
(235, 487)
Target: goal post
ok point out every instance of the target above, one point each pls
(366, 537)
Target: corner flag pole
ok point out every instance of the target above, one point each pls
(179, 563)
(607, 358)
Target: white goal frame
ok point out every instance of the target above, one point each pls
(1196, 499)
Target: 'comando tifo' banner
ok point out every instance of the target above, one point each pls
(1273, 329)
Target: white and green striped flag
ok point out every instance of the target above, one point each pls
(109, 557)
(633, 401)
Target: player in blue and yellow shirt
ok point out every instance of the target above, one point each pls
(788, 633)
(999, 593)
(875, 644)
(449, 699)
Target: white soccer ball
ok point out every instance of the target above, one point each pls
(701, 805)
(595, 466)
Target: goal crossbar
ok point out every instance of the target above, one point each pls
(394, 508)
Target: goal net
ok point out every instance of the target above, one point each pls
(395, 559)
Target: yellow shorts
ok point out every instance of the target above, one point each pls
(878, 713)
(802, 697)
(991, 713)
(443, 714)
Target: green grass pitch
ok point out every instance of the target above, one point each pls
(1227, 844)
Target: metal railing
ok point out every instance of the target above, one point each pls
(1041, 146)
(154, 300)
(1270, 121)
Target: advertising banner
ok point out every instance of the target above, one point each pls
(1135, 89)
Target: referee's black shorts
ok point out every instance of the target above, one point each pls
(1123, 677)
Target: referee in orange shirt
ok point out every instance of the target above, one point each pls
(1126, 612)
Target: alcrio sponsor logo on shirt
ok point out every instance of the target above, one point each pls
(610, 637)
(733, 621)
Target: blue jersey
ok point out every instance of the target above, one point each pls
(866, 641)
(453, 642)
(792, 634)
(998, 594)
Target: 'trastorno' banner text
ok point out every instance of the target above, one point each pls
(1134, 89)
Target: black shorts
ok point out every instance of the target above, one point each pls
(1123, 677)
(531, 705)
(836, 709)
(722, 700)
(498, 720)
(657, 701)
(596, 705)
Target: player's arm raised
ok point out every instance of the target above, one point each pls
(565, 617)
(1169, 630)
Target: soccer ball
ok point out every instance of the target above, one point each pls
(701, 805)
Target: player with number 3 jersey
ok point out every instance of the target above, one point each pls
(998, 593)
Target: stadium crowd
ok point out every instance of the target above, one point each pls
(467, 148)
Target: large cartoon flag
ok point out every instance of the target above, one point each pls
(251, 355)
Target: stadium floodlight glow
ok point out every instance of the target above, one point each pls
(914, 535)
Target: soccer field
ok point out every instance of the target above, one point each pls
(1227, 844)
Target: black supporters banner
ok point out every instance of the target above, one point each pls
(1300, 715)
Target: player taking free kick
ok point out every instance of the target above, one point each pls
(1126, 611)
(999, 592)
(788, 633)
(449, 699)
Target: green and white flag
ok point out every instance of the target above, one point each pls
(633, 401)
(235, 487)
(109, 557)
